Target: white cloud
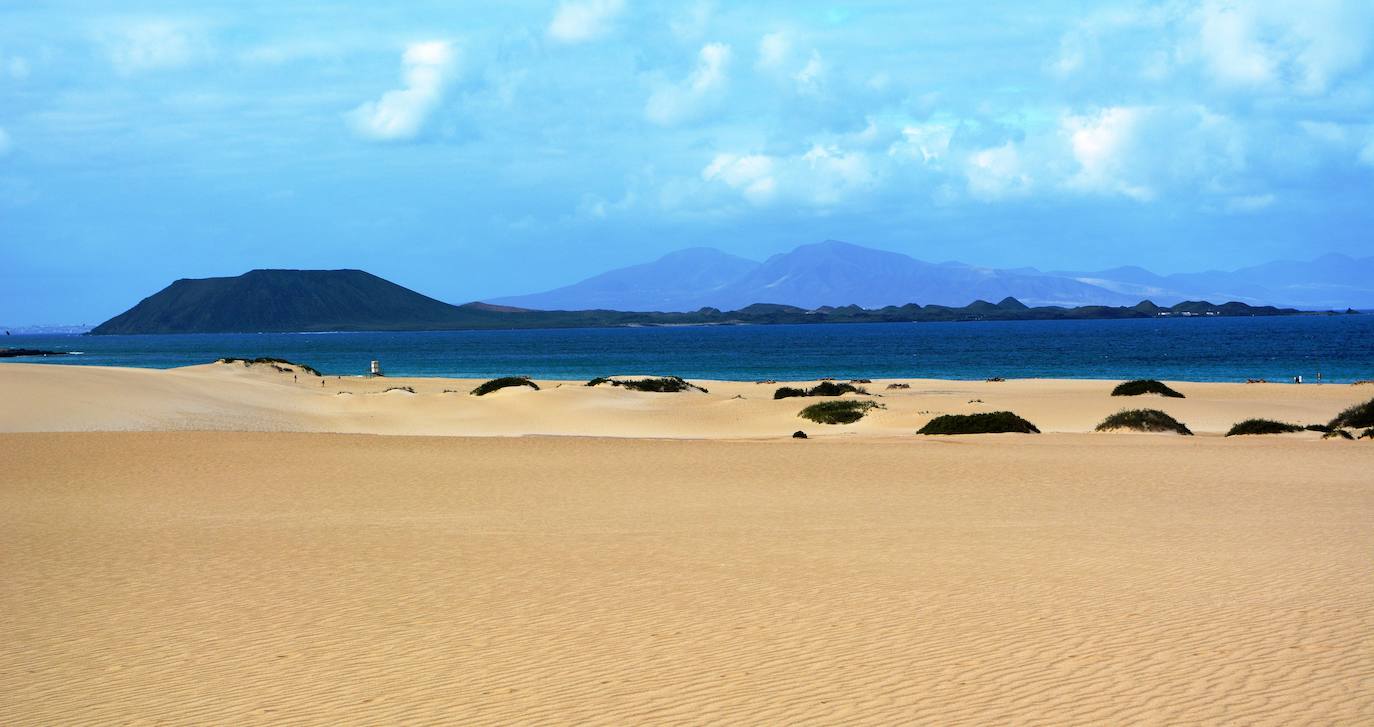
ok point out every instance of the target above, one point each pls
(5, 143)
(773, 50)
(1232, 50)
(927, 143)
(997, 172)
(400, 114)
(810, 77)
(674, 102)
(153, 45)
(1143, 151)
(751, 174)
(1103, 148)
(578, 21)
(823, 176)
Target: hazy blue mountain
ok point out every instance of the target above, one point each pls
(1330, 281)
(829, 273)
(678, 281)
(838, 273)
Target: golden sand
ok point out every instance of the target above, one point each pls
(864, 575)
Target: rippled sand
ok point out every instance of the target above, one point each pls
(230, 578)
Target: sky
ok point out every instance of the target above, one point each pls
(471, 150)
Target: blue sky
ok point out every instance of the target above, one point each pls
(470, 150)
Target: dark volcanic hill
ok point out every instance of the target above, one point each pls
(290, 300)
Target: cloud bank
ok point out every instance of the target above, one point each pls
(400, 114)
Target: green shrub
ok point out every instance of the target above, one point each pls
(993, 422)
(837, 412)
(899, 386)
(1263, 426)
(1143, 420)
(663, 384)
(825, 388)
(1337, 433)
(503, 382)
(1356, 417)
(1145, 386)
(276, 363)
(1318, 428)
(406, 389)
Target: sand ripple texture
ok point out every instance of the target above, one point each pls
(230, 578)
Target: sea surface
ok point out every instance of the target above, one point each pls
(1340, 348)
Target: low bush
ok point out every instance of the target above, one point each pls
(503, 382)
(1263, 426)
(1360, 416)
(1338, 433)
(1318, 428)
(1145, 386)
(1143, 420)
(663, 384)
(406, 389)
(899, 386)
(276, 363)
(993, 422)
(837, 412)
(825, 388)
(799, 434)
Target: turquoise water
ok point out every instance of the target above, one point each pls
(1341, 348)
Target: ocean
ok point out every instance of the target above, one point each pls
(1340, 348)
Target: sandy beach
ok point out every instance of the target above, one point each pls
(222, 544)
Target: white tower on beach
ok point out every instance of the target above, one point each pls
(376, 368)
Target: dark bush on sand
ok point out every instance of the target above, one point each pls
(1263, 426)
(837, 412)
(825, 388)
(1143, 420)
(664, 384)
(503, 382)
(1356, 417)
(279, 364)
(1145, 386)
(993, 422)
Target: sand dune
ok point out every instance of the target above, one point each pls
(232, 397)
(681, 560)
(1061, 579)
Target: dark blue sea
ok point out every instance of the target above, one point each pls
(1340, 347)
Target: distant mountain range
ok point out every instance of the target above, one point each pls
(352, 300)
(838, 273)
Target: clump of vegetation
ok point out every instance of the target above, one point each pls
(1263, 426)
(1143, 420)
(1318, 428)
(899, 386)
(837, 412)
(1145, 386)
(825, 388)
(663, 384)
(406, 389)
(993, 422)
(503, 382)
(279, 364)
(799, 434)
(1356, 417)
(861, 381)
(995, 380)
